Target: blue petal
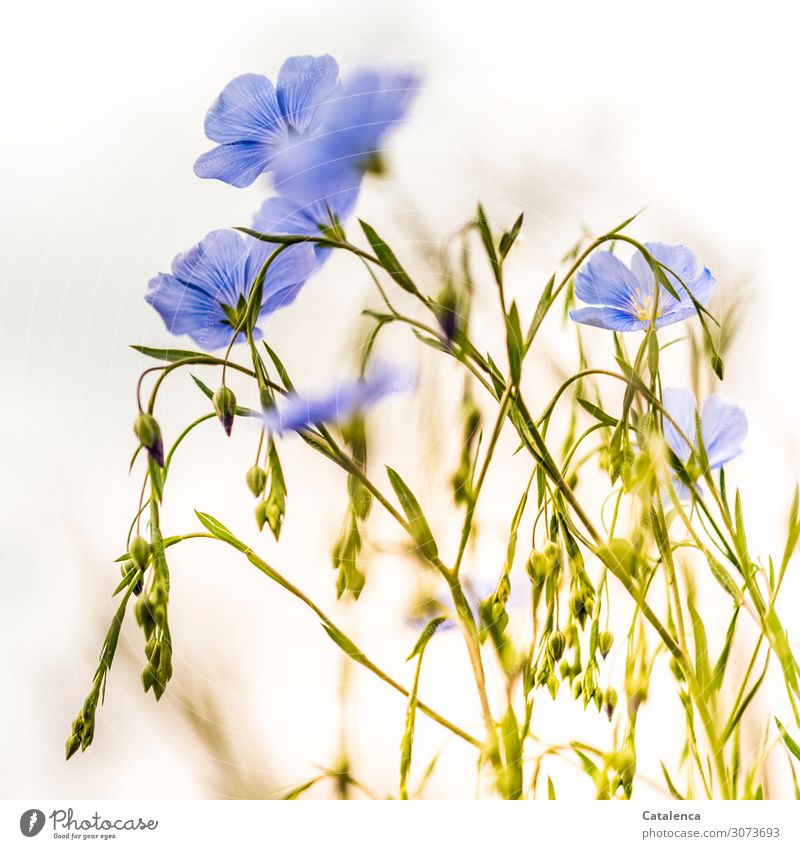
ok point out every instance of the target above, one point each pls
(188, 310)
(291, 217)
(369, 104)
(682, 271)
(237, 164)
(605, 280)
(304, 83)
(217, 266)
(346, 399)
(724, 428)
(246, 110)
(609, 318)
(286, 276)
(681, 405)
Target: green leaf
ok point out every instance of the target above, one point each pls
(344, 642)
(791, 745)
(482, 225)
(514, 343)
(600, 414)
(673, 792)
(427, 632)
(702, 664)
(724, 579)
(512, 756)
(220, 531)
(417, 523)
(276, 500)
(551, 790)
(169, 355)
(739, 710)
(387, 259)
(279, 367)
(509, 237)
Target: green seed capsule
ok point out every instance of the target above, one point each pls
(604, 642)
(538, 567)
(261, 514)
(140, 552)
(556, 645)
(149, 434)
(225, 406)
(256, 480)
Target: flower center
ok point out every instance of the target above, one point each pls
(643, 306)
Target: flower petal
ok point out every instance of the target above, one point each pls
(286, 276)
(238, 164)
(724, 427)
(217, 266)
(682, 408)
(609, 318)
(185, 309)
(346, 399)
(246, 110)
(304, 83)
(607, 281)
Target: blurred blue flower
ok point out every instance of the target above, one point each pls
(316, 135)
(723, 427)
(254, 121)
(206, 293)
(345, 400)
(350, 136)
(624, 296)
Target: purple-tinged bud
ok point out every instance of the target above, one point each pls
(610, 700)
(149, 433)
(604, 642)
(225, 406)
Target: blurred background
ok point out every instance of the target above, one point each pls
(580, 114)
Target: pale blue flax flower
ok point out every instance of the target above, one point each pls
(354, 121)
(624, 298)
(316, 135)
(254, 121)
(347, 398)
(206, 293)
(723, 428)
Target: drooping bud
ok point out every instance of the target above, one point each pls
(552, 686)
(225, 407)
(610, 700)
(149, 434)
(564, 669)
(604, 642)
(538, 567)
(256, 480)
(556, 645)
(552, 551)
(73, 744)
(140, 551)
(261, 514)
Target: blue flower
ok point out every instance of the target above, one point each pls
(284, 216)
(315, 134)
(624, 296)
(723, 427)
(349, 140)
(206, 293)
(345, 400)
(254, 121)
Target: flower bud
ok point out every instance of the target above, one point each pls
(256, 480)
(261, 514)
(73, 744)
(149, 433)
(225, 406)
(604, 642)
(552, 551)
(140, 551)
(577, 688)
(552, 686)
(537, 567)
(564, 669)
(610, 700)
(556, 645)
